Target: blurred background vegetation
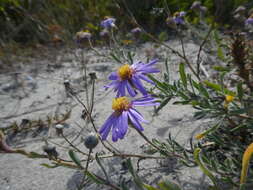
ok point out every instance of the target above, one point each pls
(29, 21)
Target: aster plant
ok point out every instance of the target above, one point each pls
(179, 17)
(125, 113)
(129, 77)
(249, 21)
(108, 23)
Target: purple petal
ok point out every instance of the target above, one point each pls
(113, 76)
(147, 104)
(117, 128)
(143, 77)
(135, 121)
(107, 23)
(145, 70)
(137, 115)
(152, 62)
(104, 135)
(145, 101)
(112, 84)
(124, 123)
(136, 65)
(107, 123)
(121, 89)
(106, 127)
(114, 134)
(138, 84)
(130, 90)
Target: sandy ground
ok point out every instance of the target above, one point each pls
(48, 97)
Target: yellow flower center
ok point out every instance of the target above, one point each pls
(125, 72)
(120, 104)
(229, 98)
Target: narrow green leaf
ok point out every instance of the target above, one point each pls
(240, 91)
(49, 166)
(123, 185)
(130, 56)
(115, 57)
(221, 69)
(163, 103)
(161, 86)
(94, 178)
(101, 166)
(35, 155)
(203, 90)
(218, 88)
(214, 86)
(182, 74)
(202, 167)
(167, 74)
(220, 53)
(240, 111)
(75, 158)
(137, 179)
(149, 187)
(167, 185)
(163, 36)
(216, 36)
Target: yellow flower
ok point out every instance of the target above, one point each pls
(229, 98)
(245, 163)
(127, 42)
(200, 136)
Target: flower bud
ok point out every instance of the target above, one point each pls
(196, 5)
(83, 35)
(3, 145)
(136, 30)
(171, 22)
(91, 141)
(104, 33)
(66, 83)
(93, 76)
(59, 129)
(51, 151)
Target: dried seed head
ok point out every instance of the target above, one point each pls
(196, 5)
(93, 76)
(66, 83)
(240, 10)
(51, 151)
(91, 141)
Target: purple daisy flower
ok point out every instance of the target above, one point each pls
(124, 113)
(129, 78)
(179, 20)
(136, 30)
(108, 23)
(104, 33)
(179, 17)
(249, 21)
(182, 14)
(82, 36)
